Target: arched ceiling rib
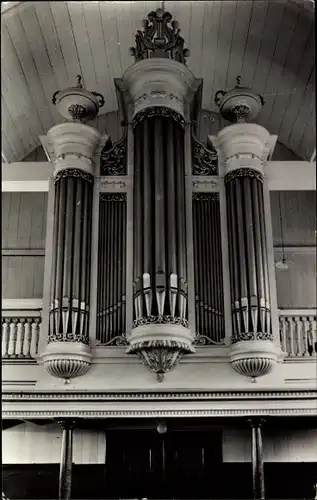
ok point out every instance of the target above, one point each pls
(269, 43)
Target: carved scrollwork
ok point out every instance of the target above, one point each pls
(205, 161)
(113, 159)
(204, 340)
(244, 172)
(238, 337)
(74, 172)
(119, 340)
(160, 111)
(150, 320)
(168, 40)
(160, 356)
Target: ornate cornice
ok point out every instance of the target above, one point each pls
(157, 396)
(158, 413)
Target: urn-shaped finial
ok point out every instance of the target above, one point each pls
(240, 104)
(78, 104)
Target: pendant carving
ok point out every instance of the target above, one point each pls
(113, 159)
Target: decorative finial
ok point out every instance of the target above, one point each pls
(79, 84)
(167, 44)
(78, 103)
(240, 104)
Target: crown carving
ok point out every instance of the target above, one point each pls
(160, 38)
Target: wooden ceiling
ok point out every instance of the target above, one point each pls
(46, 44)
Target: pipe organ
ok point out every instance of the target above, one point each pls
(152, 218)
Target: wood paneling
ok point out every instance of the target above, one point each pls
(296, 286)
(24, 228)
(298, 213)
(24, 220)
(46, 44)
(33, 444)
(278, 445)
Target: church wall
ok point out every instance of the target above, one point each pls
(23, 244)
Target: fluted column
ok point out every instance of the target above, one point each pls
(244, 148)
(258, 484)
(68, 354)
(65, 473)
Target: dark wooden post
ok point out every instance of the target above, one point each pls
(65, 473)
(257, 459)
(260, 459)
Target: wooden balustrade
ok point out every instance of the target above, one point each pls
(298, 332)
(20, 337)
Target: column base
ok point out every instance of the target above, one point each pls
(160, 346)
(254, 358)
(67, 360)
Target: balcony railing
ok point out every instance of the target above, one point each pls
(21, 328)
(298, 332)
(21, 324)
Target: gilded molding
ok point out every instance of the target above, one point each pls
(198, 196)
(158, 111)
(207, 183)
(150, 320)
(74, 172)
(113, 197)
(244, 172)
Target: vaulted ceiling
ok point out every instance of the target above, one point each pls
(46, 44)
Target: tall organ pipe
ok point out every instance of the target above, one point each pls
(248, 256)
(70, 297)
(160, 257)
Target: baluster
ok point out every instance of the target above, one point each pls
(5, 337)
(305, 335)
(291, 336)
(20, 338)
(13, 338)
(35, 337)
(313, 334)
(28, 337)
(283, 334)
(298, 329)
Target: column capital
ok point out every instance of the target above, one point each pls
(73, 145)
(67, 423)
(158, 82)
(244, 146)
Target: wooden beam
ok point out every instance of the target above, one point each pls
(26, 176)
(291, 175)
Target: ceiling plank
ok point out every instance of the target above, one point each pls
(11, 133)
(65, 34)
(82, 42)
(26, 58)
(108, 13)
(42, 62)
(224, 45)
(16, 94)
(196, 36)
(100, 56)
(254, 37)
(52, 43)
(305, 110)
(273, 88)
(240, 33)
(125, 31)
(272, 26)
(292, 64)
(210, 37)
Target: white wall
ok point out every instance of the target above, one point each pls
(278, 446)
(29, 443)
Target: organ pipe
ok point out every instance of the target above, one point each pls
(208, 268)
(111, 268)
